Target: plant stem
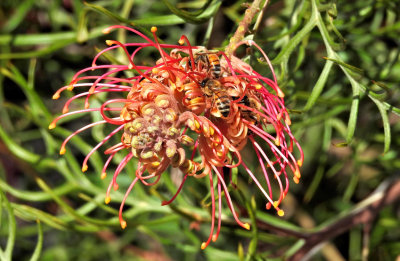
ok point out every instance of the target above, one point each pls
(243, 27)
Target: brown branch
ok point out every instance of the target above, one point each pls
(243, 27)
(262, 226)
(365, 213)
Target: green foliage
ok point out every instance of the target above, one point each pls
(338, 65)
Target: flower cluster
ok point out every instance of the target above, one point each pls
(191, 100)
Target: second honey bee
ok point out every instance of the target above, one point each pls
(220, 97)
(249, 113)
(211, 61)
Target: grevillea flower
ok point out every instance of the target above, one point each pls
(192, 101)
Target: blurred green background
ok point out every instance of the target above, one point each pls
(338, 65)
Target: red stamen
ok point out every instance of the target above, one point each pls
(62, 150)
(112, 120)
(205, 244)
(177, 192)
(120, 167)
(215, 236)
(229, 201)
(121, 220)
(103, 172)
(263, 168)
(84, 164)
(54, 122)
(181, 42)
(154, 30)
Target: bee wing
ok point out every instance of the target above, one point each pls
(215, 112)
(233, 92)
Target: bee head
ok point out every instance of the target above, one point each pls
(204, 82)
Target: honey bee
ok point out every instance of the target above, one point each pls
(211, 61)
(250, 115)
(220, 97)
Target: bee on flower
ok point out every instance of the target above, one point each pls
(192, 101)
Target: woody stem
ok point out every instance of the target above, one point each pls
(243, 27)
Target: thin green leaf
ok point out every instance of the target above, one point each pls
(251, 209)
(348, 66)
(386, 126)
(217, 254)
(31, 74)
(381, 85)
(38, 248)
(158, 20)
(98, 204)
(240, 252)
(12, 226)
(35, 39)
(319, 86)
(330, 44)
(195, 5)
(300, 56)
(36, 196)
(202, 16)
(18, 15)
(335, 30)
(294, 248)
(355, 243)
(82, 34)
(18, 150)
(127, 8)
(38, 109)
(1, 203)
(30, 213)
(326, 141)
(352, 123)
(54, 40)
(104, 11)
(352, 184)
(320, 117)
(2, 256)
(46, 38)
(284, 54)
(79, 217)
(276, 221)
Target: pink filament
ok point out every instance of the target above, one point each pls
(228, 198)
(177, 192)
(250, 43)
(108, 162)
(67, 103)
(215, 236)
(121, 220)
(257, 183)
(101, 143)
(112, 120)
(205, 244)
(120, 167)
(190, 50)
(80, 111)
(79, 131)
(272, 167)
(262, 167)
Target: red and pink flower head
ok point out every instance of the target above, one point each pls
(192, 101)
